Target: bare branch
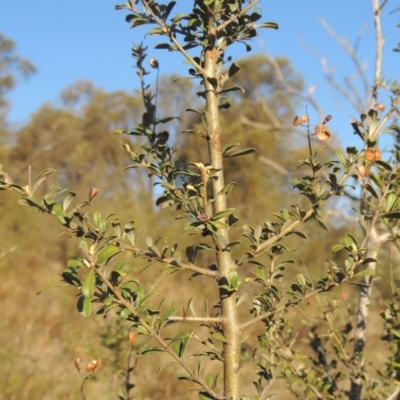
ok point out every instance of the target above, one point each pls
(329, 76)
(351, 51)
(379, 40)
(220, 320)
(236, 16)
(274, 165)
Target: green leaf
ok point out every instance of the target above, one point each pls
(205, 396)
(84, 306)
(42, 176)
(232, 89)
(31, 202)
(341, 157)
(125, 313)
(233, 69)
(228, 188)
(240, 153)
(270, 25)
(219, 336)
(384, 165)
(152, 350)
(59, 213)
(107, 253)
(67, 200)
(300, 234)
(365, 272)
(97, 218)
(89, 284)
(167, 314)
(393, 214)
(371, 190)
(322, 223)
(195, 111)
(223, 214)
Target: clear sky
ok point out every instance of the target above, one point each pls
(88, 39)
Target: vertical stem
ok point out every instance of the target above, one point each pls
(366, 291)
(225, 263)
(379, 45)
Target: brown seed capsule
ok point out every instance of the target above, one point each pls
(362, 170)
(327, 119)
(154, 63)
(93, 192)
(300, 121)
(78, 364)
(322, 132)
(381, 107)
(373, 154)
(94, 365)
(132, 336)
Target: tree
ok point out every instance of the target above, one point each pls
(246, 279)
(11, 65)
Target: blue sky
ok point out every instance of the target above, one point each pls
(88, 39)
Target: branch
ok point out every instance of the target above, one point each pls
(171, 261)
(220, 320)
(351, 51)
(166, 28)
(155, 335)
(379, 46)
(236, 16)
(331, 80)
(272, 240)
(282, 307)
(274, 165)
(292, 90)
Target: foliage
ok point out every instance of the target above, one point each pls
(245, 327)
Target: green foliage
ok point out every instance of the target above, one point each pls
(253, 275)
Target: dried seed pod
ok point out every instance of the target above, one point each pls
(78, 364)
(322, 132)
(327, 119)
(381, 107)
(132, 336)
(154, 63)
(373, 154)
(362, 170)
(93, 365)
(93, 192)
(300, 121)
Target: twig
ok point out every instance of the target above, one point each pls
(220, 320)
(236, 16)
(379, 47)
(117, 293)
(351, 51)
(274, 165)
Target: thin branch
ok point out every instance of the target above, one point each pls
(5, 252)
(394, 395)
(379, 47)
(171, 262)
(166, 28)
(274, 165)
(290, 89)
(281, 307)
(272, 240)
(236, 16)
(350, 50)
(331, 80)
(220, 320)
(155, 335)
